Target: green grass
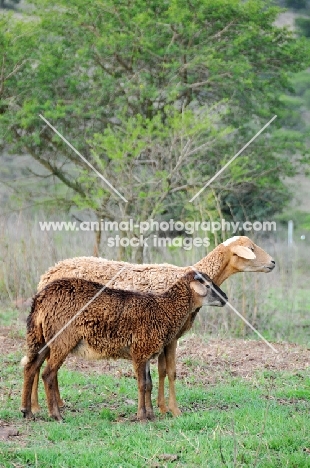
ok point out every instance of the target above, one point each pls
(8, 316)
(288, 318)
(259, 423)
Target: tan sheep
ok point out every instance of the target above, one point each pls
(106, 323)
(232, 256)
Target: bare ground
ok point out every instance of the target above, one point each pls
(199, 359)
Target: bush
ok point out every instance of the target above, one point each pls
(296, 4)
(3, 3)
(303, 24)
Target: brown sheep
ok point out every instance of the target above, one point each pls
(106, 323)
(232, 256)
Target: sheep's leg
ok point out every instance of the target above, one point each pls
(170, 353)
(148, 392)
(31, 369)
(35, 407)
(161, 382)
(140, 370)
(60, 402)
(49, 377)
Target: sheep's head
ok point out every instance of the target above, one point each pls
(205, 292)
(247, 256)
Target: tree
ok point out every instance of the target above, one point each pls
(3, 3)
(103, 69)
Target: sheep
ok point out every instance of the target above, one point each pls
(106, 323)
(235, 255)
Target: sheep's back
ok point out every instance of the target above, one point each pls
(139, 277)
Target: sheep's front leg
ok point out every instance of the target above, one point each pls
(140, 370)
(161, 382)
(148, 392)
(170, 354)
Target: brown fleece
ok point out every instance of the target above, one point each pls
(218, 265)
(116, 324)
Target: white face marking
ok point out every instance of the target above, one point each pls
(229, 241)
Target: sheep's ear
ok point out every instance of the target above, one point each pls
(198, 288)
(243, 252)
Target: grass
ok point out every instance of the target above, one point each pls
(8, 316)
(263, 422)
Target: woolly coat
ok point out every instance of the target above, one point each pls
(151, 277)
(116, 324)
(138, 277)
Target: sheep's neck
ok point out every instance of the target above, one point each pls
(179, 303)
(216, 265)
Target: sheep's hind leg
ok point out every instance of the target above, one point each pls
(31, 369)
(140, 370)
(35, 407)
(148, 392)
(161, 383)
(170, 353)
(49, 377)
(60, 402)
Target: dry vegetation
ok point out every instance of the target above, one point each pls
(277, 304)
(204, 361)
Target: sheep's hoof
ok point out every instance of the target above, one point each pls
(56, 416)
(27, 413)
(150, 414)
(141, 415)
(176, 412)
(35, 408)
(163, 409)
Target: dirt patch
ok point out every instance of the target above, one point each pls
(7, 431)
(210, 361)
(239, 357)
(9, 341)
(206, 361)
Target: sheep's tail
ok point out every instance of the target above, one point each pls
(24, 361)
(35, 338)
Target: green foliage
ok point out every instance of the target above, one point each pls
(122, 83)
(301, 219)
(296, 4)
(303, 24)
(8, 3)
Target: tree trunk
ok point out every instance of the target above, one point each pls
(138, 255)
(97, 243)
(121, 249)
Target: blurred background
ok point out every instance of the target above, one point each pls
(158, 96)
